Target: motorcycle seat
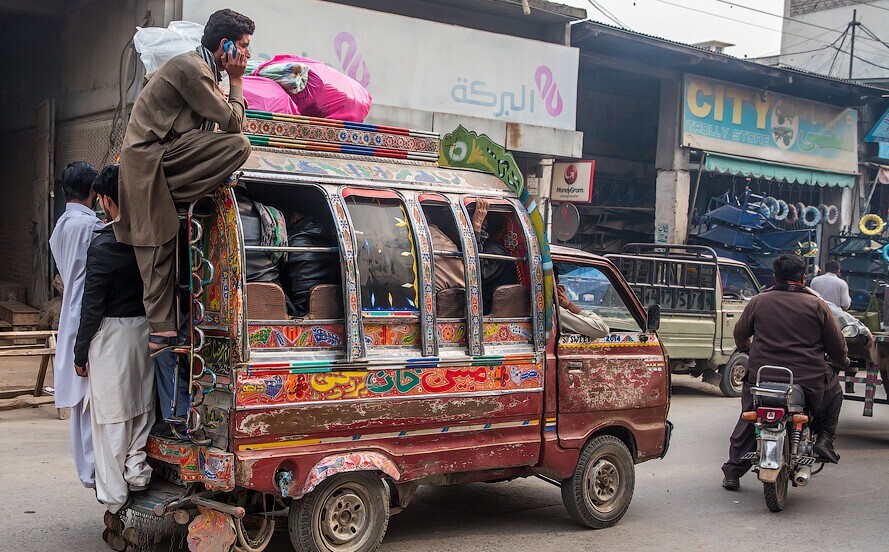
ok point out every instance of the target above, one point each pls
(794, 402)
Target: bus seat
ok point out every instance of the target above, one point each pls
(511, 301)
(266, 301)
(325, 302)
(451, 303)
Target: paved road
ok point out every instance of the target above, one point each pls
(678, 504)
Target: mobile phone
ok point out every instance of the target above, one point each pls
(229, 48)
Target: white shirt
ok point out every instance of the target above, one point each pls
(69, 243)
(585, 323)
(832, 288)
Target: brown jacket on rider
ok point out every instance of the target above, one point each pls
(801, 330)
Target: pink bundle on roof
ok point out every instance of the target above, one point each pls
(328, 93)
(264, 94)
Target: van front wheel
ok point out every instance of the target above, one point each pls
(346, 513)
(600, 491)
(733, 374)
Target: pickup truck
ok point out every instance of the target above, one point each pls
(701, 296)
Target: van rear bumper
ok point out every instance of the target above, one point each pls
(185, 462)
(668, 432)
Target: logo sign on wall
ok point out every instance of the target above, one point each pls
(573, 181)
(417, 64)
(728, 118)
(566, 221)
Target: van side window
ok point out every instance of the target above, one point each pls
(386, 257)
(506, 276)
(736, 283)
(591, 289)
(300, 302)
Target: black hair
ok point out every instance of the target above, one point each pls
(832, 266)
(77, 178)
(789, 268)
(226, 24)
(106, 182)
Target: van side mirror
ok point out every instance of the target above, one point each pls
(653, 318)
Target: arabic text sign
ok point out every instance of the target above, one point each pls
(418, 64)
(573, 181)
(727, 118)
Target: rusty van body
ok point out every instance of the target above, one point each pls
(333, 418)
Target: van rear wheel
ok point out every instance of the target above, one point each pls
(346, 513)
(600, 491)
(733, 373)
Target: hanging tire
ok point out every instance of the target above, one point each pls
(732, 375)
(776, 493)
(811, 216)
(772, 204)
(347, 513)
(792, 214)
(871, 225)
(783, 210)
(833, 214)
(823, 209)
(600, 491)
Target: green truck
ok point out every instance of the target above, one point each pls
(701, 296)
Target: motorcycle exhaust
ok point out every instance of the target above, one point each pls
(802, 475)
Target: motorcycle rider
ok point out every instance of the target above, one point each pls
(795, 329)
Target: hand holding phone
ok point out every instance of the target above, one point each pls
(229, 48)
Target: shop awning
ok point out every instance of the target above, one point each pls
(743, 166)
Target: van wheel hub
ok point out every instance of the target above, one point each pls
(603, 481)
(343, 517)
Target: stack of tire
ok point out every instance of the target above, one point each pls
(810, 215)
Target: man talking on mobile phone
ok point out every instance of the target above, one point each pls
(173, 153)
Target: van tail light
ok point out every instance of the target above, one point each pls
(769, 415)
(748, 416)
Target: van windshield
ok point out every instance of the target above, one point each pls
(590, 289)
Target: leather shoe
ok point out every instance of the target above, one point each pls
(731, 483)
(824, 448)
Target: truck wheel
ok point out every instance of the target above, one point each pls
(733, 373)
(776, 493)
(600, 491)
(346, 513)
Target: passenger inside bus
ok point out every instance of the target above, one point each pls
(305, 270)
(262, 225)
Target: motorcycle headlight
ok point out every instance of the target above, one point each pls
(851, 330)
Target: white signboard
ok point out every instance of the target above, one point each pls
(573, 181)
(417, 64)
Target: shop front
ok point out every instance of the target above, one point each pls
(774, 173)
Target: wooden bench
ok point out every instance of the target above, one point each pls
(44, 346)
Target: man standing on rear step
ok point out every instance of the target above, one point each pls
(171, 153)
(791, 327)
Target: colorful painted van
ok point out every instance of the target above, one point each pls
(330, 420)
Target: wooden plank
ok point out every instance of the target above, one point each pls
(28, 352)
(30, 333)
(18, 314)
(23, 401)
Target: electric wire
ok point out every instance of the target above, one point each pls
(609, 15)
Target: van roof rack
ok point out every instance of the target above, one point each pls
(673, 251)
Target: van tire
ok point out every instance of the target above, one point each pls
(363, 502)
(732, 375)
(600, 491)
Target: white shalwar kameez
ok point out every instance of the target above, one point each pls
(69, 243)
(121, 397)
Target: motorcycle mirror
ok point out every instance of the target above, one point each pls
(852, 330)
(653, 318)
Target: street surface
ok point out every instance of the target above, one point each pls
(678, 504)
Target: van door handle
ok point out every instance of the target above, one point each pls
(576, 364)
(729, 315)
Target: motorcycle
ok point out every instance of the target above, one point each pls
(784, 442)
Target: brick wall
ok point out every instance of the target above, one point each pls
(802, 7)
(16, 206)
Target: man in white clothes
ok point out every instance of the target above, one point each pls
(69, 243)
(111, 353)
(831, 287)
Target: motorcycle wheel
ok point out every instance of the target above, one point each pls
(732, 375)
(776, 493)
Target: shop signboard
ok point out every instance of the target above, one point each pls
(573, 181)
(739, 120)
(416, 64)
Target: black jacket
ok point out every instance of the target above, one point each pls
(302, 271)
(113, 288)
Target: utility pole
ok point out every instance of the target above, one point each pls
(852, 44)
